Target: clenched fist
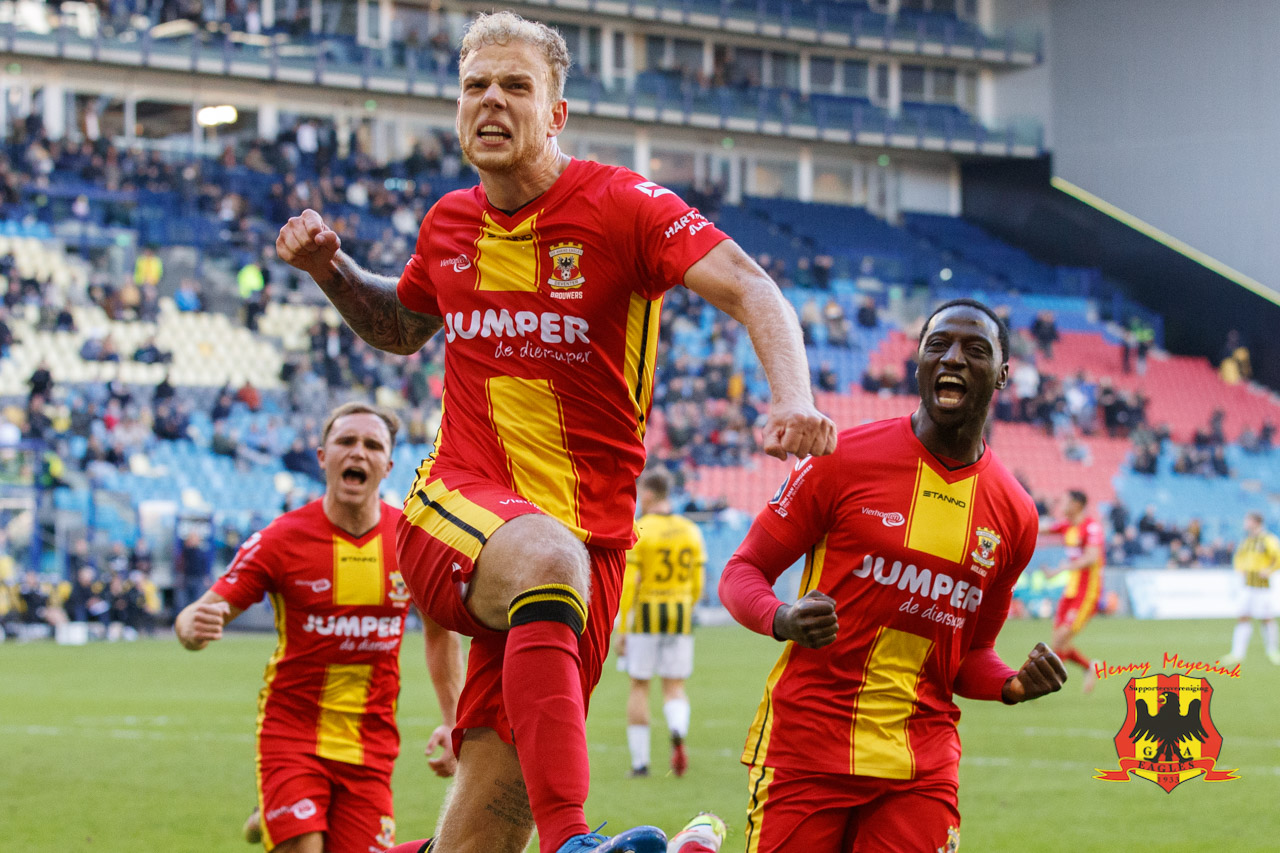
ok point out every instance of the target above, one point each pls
(1042, 673)
(811, 622)
(305, 242)
(200, 623)
(801, 430)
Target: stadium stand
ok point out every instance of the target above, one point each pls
(250, 370)
(210, 350)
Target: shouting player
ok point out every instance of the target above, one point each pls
(662, 585)
(327, 736)
(1085, 541)
(913, 535)
(548, 280)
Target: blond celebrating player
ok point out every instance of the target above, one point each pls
(548, 279)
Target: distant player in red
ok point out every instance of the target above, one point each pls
(1085, 540)
(327, 735)
(548, 280)
(913, 535)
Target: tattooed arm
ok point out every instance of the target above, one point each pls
(366, 301)
(369, 305)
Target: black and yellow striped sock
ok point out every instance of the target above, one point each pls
(552, 602)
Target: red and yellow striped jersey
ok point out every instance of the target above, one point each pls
(551, 329)
(1076, 538)
(340, 606)
(664, 578)
(921, 561)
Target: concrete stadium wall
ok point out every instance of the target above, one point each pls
(1165, 108)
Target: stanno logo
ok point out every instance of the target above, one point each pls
(945, 498)
(652, 190)
(460, 263)
(888, 519)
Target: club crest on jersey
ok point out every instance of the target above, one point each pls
(566, 272)
(985, 553)
(386, 836)
(399, 590)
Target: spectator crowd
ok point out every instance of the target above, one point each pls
(705, 411)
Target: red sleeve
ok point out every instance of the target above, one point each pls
(1093, 534)
(800, 512)
(249, 575)
(795, 518)
(746, 584)
(670, 236)
(415, 289)
(982, 674)
(1059, 527)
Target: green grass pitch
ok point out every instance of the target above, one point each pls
(146, 747)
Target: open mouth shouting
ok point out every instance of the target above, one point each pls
(493, 134)
(950, 391)
(354, 476)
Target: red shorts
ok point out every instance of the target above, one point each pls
(349, 803)
(1075, 610)
(446, 522)
(795, 811)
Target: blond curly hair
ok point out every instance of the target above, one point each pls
(506, 27)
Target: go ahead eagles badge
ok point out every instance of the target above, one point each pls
(566, 272)
(1167, 735)
(988, 541)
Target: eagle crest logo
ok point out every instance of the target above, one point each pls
(985, 553)
(386, 836)
(1168, 736)
(399, 590)
(566, 271)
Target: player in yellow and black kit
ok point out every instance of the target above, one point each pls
(1257, 558)
(662, 584)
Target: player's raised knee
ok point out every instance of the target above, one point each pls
(532, 569)
(534, 550)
